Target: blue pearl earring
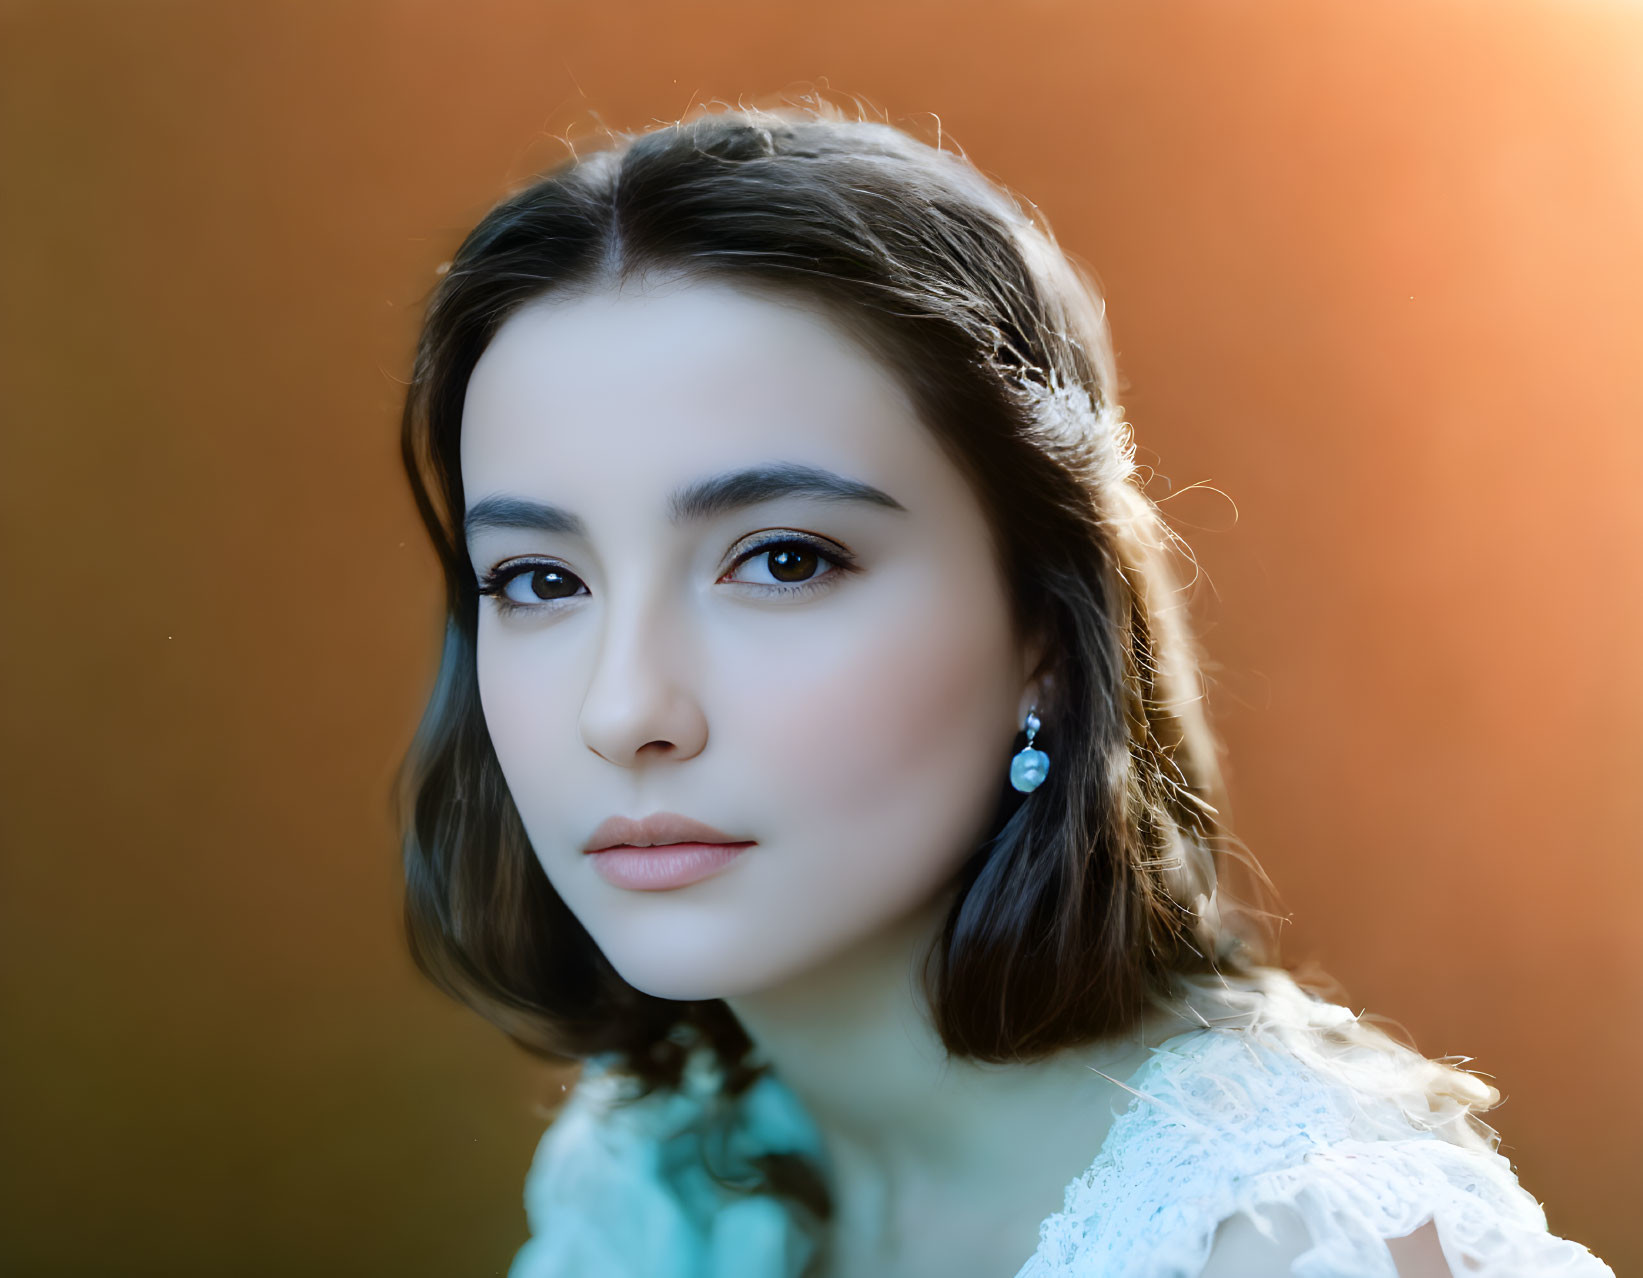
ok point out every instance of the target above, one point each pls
(1029, 767)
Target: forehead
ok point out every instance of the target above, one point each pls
(674, 379)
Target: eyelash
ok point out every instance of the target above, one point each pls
(496, 580)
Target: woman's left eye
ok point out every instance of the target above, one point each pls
(792, 564)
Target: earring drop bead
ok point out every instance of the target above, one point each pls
(1028, 770)
(1029, 767)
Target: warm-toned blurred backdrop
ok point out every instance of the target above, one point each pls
(1375, 272)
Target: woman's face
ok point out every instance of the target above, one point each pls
(833, 679)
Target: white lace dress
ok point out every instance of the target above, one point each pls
(1219, 1121)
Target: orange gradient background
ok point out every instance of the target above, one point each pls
(1375, 275)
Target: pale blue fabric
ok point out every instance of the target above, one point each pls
(624, 1192)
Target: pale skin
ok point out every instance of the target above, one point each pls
(857, 727)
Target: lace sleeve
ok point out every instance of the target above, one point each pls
(1356, 1194)
(1230, 1125)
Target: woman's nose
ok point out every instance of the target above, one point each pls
(640, 700)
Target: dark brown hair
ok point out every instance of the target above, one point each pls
(1085, 898)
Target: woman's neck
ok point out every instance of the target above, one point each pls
(911, 1136)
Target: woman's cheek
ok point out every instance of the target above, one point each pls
(527, 711)
(887, 721)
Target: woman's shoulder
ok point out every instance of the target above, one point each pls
(1281, 1107)
(1266, 1055)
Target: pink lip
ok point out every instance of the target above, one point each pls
(653, 831)
(657, 868)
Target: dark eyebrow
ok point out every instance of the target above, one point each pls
(698, 500)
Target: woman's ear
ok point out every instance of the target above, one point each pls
(1038, 697)
(1040, 686)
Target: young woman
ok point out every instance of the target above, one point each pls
(818, 755)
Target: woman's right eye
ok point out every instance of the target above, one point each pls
(528, 585)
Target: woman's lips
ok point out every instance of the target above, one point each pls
(667, 865)
(654, 831)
